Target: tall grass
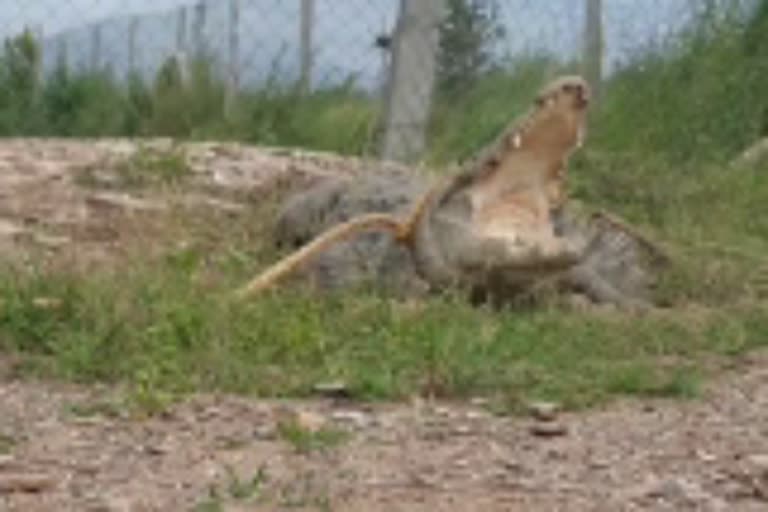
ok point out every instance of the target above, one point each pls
(698, 98)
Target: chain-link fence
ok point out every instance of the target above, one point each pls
(360, 76)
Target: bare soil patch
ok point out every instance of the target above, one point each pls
(225, 453)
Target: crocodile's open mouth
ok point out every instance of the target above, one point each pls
(577, 89)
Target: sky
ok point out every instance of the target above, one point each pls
(345, 29)
(56, 15)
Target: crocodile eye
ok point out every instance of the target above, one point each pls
(573, 88)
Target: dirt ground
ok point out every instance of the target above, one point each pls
(67, 448)
(226, 453)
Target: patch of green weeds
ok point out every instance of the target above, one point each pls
(305, 441)
(7, 443)
(153, 167)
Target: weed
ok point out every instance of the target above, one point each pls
(101, 408)
(211, 503)
(7, 444)
(147, 167)
(235, 488)
(243, 490)
(151, 166)
(305, 441)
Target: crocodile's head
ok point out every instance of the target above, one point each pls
(557, 122)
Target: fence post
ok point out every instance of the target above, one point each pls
(233, 72)
(593, 45)
(133, 29)
(62, 54)
(39, 35)
(198, 29)
(95, 48)
(181, 43)
(408, 100)
(306, 39)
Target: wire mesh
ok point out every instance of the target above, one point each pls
(284, 70)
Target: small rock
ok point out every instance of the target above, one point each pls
(264, 432)
(599, 464)
(10, 229)
(357, 419)
(549, 429)
(156, 449)
(705, 456)
(475, 415)
(462, 430)
(310, 421)
(305, 420)
(335, 389)
(461, 463)
(122, 201)
(25, 482)
(675, 490)
(6, 461)
(544, 411)
(759, 462)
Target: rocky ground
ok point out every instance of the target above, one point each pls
(90, 199)
(67, 448)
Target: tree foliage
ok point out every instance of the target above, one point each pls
(19, 82)
(467, 36)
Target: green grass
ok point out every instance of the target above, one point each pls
(155, 328)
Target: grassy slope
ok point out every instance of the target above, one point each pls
(659, 139)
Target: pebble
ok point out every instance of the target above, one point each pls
(759, 462)
(549, 429)
(25, 482)
(674, 490)
(544, 411)
(357, 419)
